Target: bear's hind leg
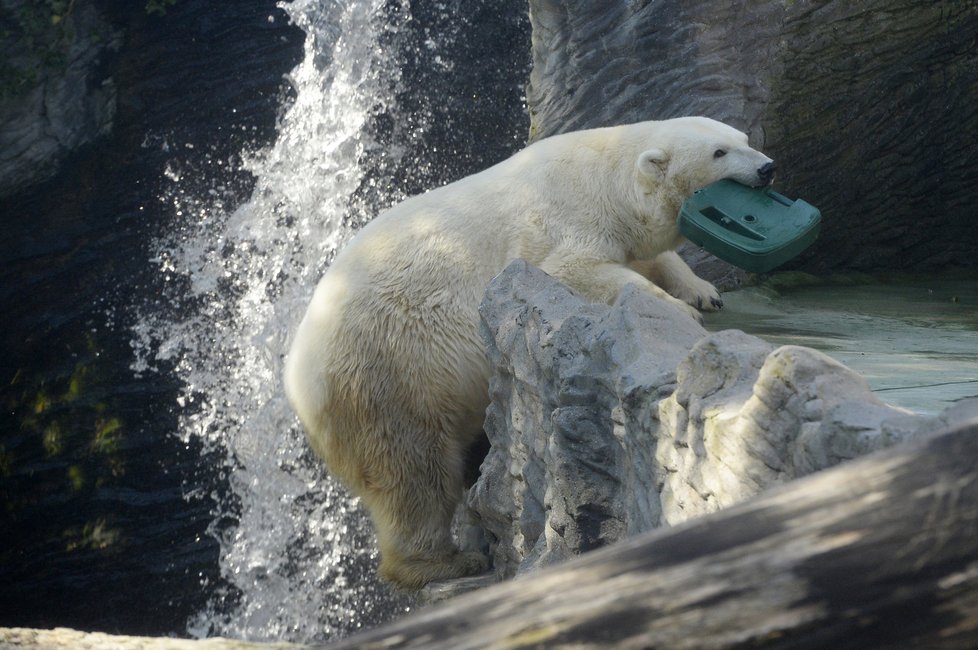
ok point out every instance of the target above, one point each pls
(413, 517)
(415, 571)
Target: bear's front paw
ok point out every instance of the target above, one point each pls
(715, 303)
(700, 294)
(686, 309)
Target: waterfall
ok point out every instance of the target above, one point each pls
(389, 100)
(297, 553)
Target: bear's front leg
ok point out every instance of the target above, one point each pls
(602, 280)
(671, 272)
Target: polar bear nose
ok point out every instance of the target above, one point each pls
(766, 172)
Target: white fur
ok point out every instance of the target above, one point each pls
(387, 372)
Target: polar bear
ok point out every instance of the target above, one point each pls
(387, 371)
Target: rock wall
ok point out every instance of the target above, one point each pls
(14, 638)
(53, 98)
(869, 108)
(609, 421)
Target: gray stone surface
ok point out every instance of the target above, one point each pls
(21, 638)
(869, 108)
(555, 481)
(54, 100)
(607, 421)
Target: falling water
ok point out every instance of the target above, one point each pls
(297, 554)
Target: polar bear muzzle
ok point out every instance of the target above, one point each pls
(766, 173)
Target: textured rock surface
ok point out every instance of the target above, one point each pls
(19, 638)
(870, 108)
(877, 553)
(609, 421)
(53, 98)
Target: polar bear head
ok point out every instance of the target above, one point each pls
(691, 152)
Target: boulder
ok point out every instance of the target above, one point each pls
(21, 638)
(869, 108)
(608, 421)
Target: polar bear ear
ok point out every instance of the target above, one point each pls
(652, 163)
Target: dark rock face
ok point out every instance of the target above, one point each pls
(870, 109)
(52, 99)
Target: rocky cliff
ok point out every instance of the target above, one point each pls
(607, 421)
(870, 108)
(53, 97)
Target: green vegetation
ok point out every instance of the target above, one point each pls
(158, 7)
(96, 535)
(65, 440)
(40, 33)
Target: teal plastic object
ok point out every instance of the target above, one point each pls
(755, 229)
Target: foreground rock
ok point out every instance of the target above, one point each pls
(15, 638)
(610, 421)
(863, 105)
(879, 552)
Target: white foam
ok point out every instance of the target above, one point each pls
(296, 551)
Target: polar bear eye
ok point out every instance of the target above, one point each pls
(719, 153)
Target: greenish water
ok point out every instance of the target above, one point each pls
(915, 340)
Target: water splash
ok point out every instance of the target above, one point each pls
(297, 555)
(391, 98)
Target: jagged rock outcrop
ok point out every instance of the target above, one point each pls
(53, 98)
(869, 108)
(610, 421)
(13, 638)
(876, 553)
